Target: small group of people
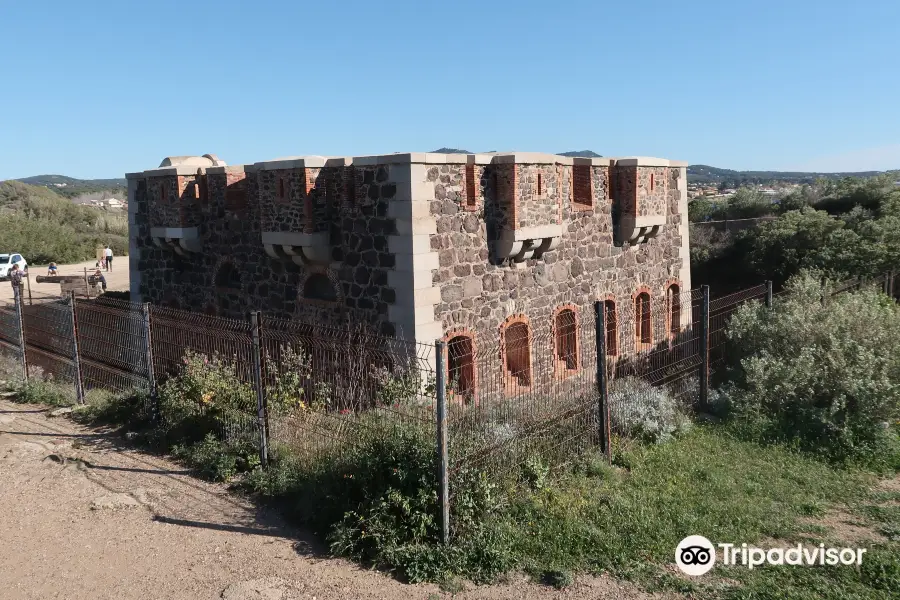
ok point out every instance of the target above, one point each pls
(106, 259)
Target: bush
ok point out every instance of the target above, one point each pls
(645, 412)
(206, 397)
(377, 502)
(824, 376)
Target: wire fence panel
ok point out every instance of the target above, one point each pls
(531, 396)
(49, 337)
(111, 345)
(212, 353)
(9, 324)
(327, 387)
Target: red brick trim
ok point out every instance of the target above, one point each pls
(673, 329)
(612, 349)
(332, 278)
(309, 185)
(223, 262)
(511, 383)
(560, 369)
(582, 188)
(643, 322)
(462, 397)
(473, 184)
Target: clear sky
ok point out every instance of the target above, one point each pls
(98, 88)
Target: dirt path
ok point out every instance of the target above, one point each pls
(83, 518)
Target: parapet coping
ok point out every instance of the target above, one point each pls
(648, 161)
(488, 158)
(303, 162)
(225, 169)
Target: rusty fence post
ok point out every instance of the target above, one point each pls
(20, 321)
(440, 350)
(260, 390)
(704, 347)
(148, 356)
(76, 357)
(602, 383)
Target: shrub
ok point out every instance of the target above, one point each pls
(642, 411)
(826, 376)
(207, 396)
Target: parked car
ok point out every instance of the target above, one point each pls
(8, 260)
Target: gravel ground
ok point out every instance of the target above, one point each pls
(82, 517)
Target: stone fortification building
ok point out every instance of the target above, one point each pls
(489, 250)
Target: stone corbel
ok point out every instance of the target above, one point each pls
(638, 230)
(300, 248)
(181, 240)
(529, 242)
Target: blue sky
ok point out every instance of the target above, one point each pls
(99, 88)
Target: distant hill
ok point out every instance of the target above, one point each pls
(71, 187)
(731, 178)
(581, 154)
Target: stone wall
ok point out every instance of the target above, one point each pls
(652, 189)
(240, 205)
(410, 240)
(478, 295)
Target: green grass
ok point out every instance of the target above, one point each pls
(706, 483)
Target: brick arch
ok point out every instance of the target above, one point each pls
(611, 307)
(515, 353)
(565, 333)
(674, 307)
(317, 271)
(218, 271)
(461, 358)
(642, 305)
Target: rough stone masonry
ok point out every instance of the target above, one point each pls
(484, 250)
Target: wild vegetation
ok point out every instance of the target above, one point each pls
(46, 227)
(809, 408)
(843, 228)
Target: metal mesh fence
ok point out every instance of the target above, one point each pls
(112, 345)
(212, 353)
(528, 396)
(531, 394)
(327, 388)
(49, 337)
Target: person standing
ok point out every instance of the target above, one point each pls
(109, 256)
(15, 279)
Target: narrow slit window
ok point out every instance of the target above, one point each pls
(612, 329)
(461, 365)
(642, 320)
(517, 344)
(673, 297)
(566, 341)
(540, 184)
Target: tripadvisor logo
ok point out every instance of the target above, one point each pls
(696, 555)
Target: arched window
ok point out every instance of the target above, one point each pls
(673, 306)
(516, 340)
(228, 277)
(565, 333)
(319, 287)
(642, 319)
(612, 328)
(461, 365)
